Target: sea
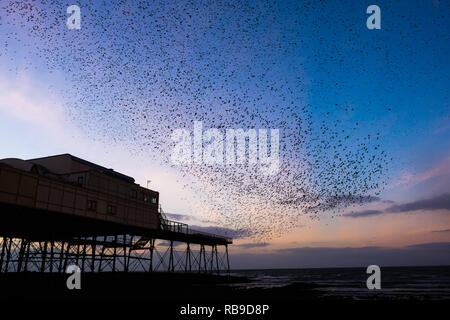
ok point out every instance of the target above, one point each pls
(427, 283)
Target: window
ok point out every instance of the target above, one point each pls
(145, 197)
(134, 194)
(112, 210)
(92, 205)
(154, 200)
(80, 181)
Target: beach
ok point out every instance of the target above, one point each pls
(336, 284)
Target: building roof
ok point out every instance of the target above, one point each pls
(94, 166)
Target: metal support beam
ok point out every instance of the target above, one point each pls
(4, 243)
(8, 254)
(152, 247)
(66, 256)
(52, 245)
(27, 255)
(77, 255)
(212, 255)
(125, 264)
(188, 258)
(108, 253)
(217, 260)
(228, 261)
(61, 256)
(93, 248)
(171, 265)
(83, 256)
(115, 253)
(21, 255)
(101, 255)
(44, 256)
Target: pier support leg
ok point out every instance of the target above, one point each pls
(202, 253)
(23, 244)
(152, 247)
(27, 256)
(66, 258)
(125, 263)
(217, 260)
(204, 260)
(171, 265)
(129, 252)
(52, 246)
(83, 256)
(8, 254)
(93, 248)
(61, 256)
(44, 256)
(77, 255)
(2, 255)
(212, 256)
(228, 261)
(101, 255)
(115, 253)
(188, 258)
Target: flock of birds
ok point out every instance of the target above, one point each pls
(139, 70)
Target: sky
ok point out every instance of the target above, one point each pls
(363, 116)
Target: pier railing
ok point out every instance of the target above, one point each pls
(175, 226)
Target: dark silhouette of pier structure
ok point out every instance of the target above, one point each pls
(62, 210)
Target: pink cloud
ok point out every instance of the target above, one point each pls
(408, 178)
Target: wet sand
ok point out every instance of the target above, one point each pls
(172, 291)
(178, 287)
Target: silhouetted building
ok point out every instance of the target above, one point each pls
(70, 185)
(62, 209)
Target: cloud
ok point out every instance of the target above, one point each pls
(226, 232)
(354, 198)
(33, 103)
(441, 202)
(167, 243)
(440, 169)
(364, 213)
(322, 257)
(178, 217)
(252, 245)
(445, 230)
(431, 246)
(185, 218)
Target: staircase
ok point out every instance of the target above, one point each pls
(164, 225)
(163, 221)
